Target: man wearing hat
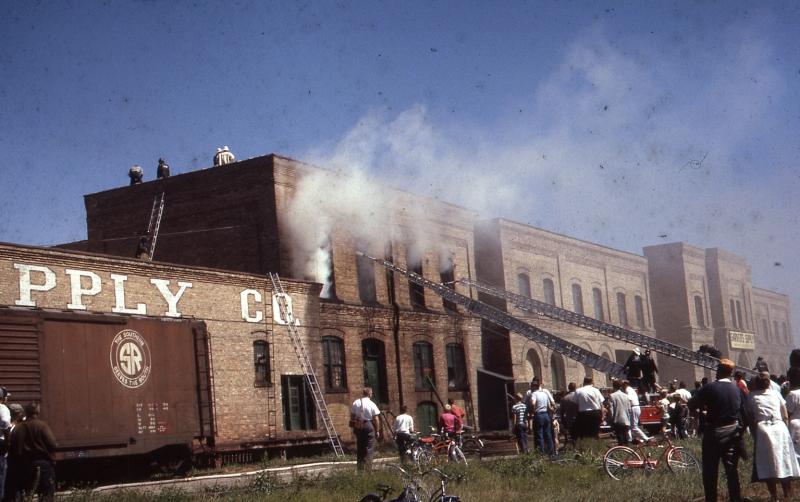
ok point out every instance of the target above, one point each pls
(722, 438)
(633, 368)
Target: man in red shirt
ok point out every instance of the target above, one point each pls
(448, 422)
(457, 410)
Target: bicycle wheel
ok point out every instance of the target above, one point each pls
(456, 455)
(471, 447)
(422, 456)
(681, 460)
(620, 461)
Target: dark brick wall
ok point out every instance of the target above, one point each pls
(222, 217)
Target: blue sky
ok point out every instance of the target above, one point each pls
(615, 122)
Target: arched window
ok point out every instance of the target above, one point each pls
(622, 309)
(549, 291)
(423, 366)
(557, 372)
(333, 363)
(456, 367)
(427, 416)
(639, 306)
(733, 313)
(261, 363)
(534, 364)
(699, 312)
(597, 299)
(577, 299)
(524, 285)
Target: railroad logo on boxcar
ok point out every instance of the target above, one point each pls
(130, 358)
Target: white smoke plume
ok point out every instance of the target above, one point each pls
(608, 148)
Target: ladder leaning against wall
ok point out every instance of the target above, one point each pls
(283, 305)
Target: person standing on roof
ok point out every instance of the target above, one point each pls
(136, 174)
(162, 171)
(223, 156)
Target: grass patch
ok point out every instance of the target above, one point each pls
(575, 476)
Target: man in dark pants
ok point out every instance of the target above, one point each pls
(519, 414)
(364, 420)
(33, 442)
(722, 439)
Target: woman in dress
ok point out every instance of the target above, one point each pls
(774, 458)
(793, 408)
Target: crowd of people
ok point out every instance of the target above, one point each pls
(27, 446)
(722, 413)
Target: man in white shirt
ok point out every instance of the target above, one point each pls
(364, 420)
(636, 412)
(5, 436)
(403, 428)
(541, 405)
(590, 409)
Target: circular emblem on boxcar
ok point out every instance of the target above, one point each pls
(130, 358)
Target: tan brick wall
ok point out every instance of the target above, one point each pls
(241, 408)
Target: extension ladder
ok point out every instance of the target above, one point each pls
(510, 322)
(155, 224)
(305, 363)
(617, 332)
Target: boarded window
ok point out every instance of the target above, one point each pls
(299, 412)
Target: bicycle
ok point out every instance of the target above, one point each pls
(413, 490)
(440, 495)
(620, 461)
(429, 449)
(471, 444)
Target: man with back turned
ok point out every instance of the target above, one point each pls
(722, 439)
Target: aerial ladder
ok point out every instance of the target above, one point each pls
(282, 301)
(617, 332)
(510, 322)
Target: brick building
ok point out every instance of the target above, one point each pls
(369, 327)
(707, 297)
(376, 329)
(580, 276)
(249, 403)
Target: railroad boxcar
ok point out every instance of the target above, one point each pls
(112, 385)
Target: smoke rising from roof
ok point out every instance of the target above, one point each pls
(604, 150)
